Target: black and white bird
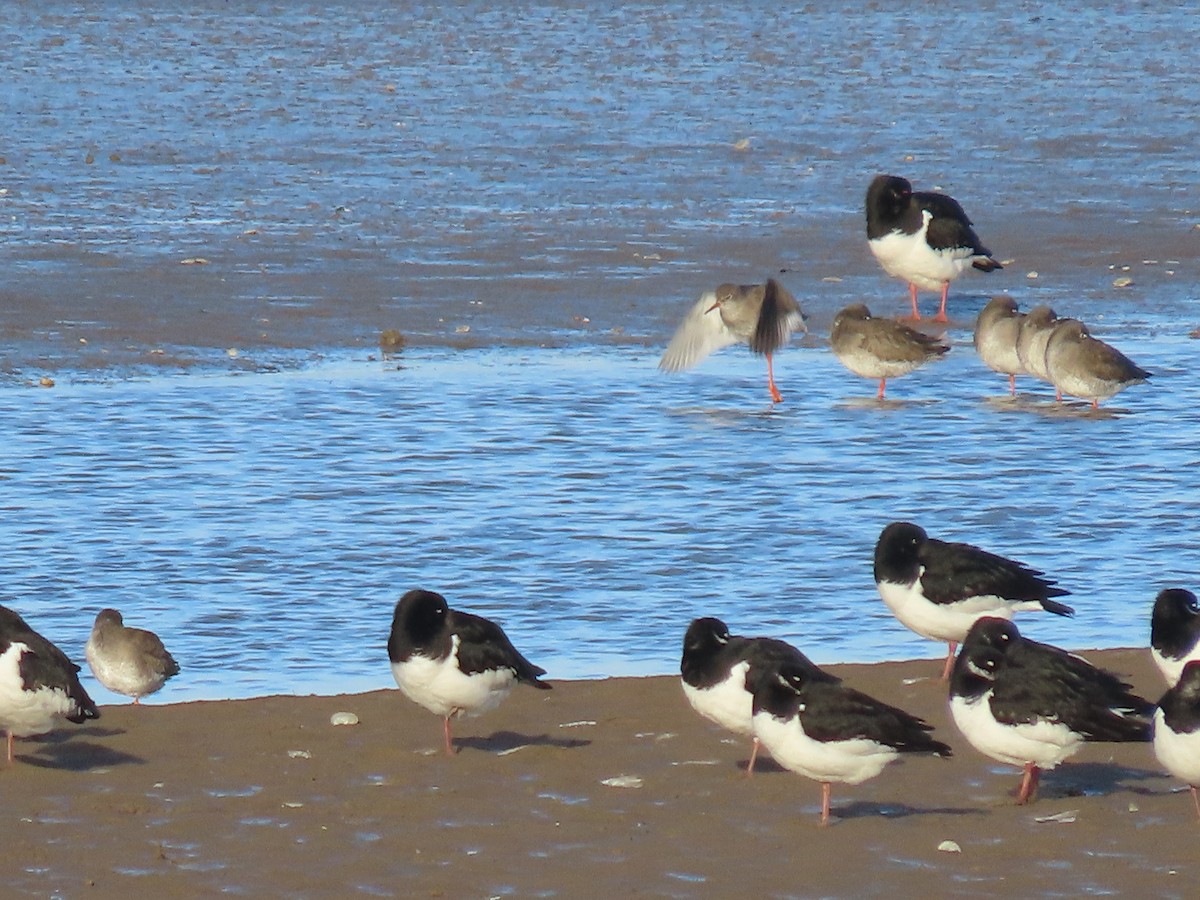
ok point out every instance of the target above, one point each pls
(923, 238)
(1033, 705)
(939, 588)
(38, 683)
(1177, 729)
(762, 315)
(129, 661)
(453, 663)
(1174, 631)
(719, 671)
(829, 732)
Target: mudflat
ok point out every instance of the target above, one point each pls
(597, 788)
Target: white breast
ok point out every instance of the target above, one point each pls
(22, 712)
(1178, 753)
(943, 621)
(1043, 743)
(910, 257)
(442, 688)
(851, 761)
(727, 703)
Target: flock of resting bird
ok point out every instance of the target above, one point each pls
(926, 240)
(1014, 699)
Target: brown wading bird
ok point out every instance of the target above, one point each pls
(1032, 340)
(762, 315)
(923, 238)
(996, 333)
(126, 660)
(880, 348)
(1083, 366)
(38, 683)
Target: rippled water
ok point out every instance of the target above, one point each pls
(534, 195)
(266, 524)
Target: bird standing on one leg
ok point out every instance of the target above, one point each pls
(762, 315)
(829, 732)
(453, 663)
(880, 348)
(126, 660)
(38, 683)
(719, 672)
(940, 588)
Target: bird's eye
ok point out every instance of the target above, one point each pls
(1193, 604)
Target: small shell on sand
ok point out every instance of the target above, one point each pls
(343, 718)
(949, 847)
(623, 781)
(1122, 282)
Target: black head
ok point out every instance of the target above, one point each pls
(778, 692)
(420, 615)
(975, 670)
(888, 196)
(705, 635)
(1175, 617)
(992, 632)
(898, 551)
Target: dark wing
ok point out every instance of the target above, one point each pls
(45, 666)
(1043, 682)
(833, 712)
(955, 572)
(483, 646)
(151, 647)
(949, 229)
(768, 655)
(774, 317)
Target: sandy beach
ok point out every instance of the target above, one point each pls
(265, 797)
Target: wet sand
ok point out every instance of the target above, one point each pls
(265, 797)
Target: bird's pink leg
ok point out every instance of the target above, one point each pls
(826, 791)
(446, 730)
(753, 757)
(136, 701)
(882, 385)
(10, 747)
(1195, 798)
(941, 316)
(1012, 385)
(775, 395)
(1095, 404)
(912, 293)
(949, 667)
(1029, 784)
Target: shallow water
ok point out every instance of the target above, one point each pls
(534, 196)
(266, 524)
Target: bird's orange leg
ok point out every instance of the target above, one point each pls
(941, 316)
(912, 293)
(1029, 784)
(949, 667)
(826, 791)
(775, 395)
